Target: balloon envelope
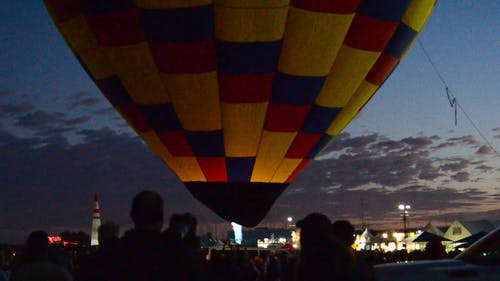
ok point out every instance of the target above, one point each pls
(237, 97)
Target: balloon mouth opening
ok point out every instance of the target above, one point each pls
(245, 203)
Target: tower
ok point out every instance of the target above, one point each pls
(96, 222)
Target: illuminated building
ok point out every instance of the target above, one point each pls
(264, 237)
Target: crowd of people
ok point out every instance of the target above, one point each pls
(148, 253)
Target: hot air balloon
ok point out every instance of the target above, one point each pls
(238, 96)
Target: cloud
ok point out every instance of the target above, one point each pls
(105, 111)
(484, 168)
(388, 145)
(374, 159)
(9, 140)
(468, 139)
(451, 216)
(82, 99)
(39, 119)
(5, 93)
(53, 131)
(484, 149)
(15, 109)
(44, 123)
(455, 164)
(461, 176)
(76, 121)
(418, 143)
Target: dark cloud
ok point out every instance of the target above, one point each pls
(484, 149)
(105, 111)
(461, 176)
(388, 145)
(418, 143)
(44, 123)
(374, 159)
(53, 131)
(427, 171)
(15, 109)
(484, 168)
(455, 165)
(39, 119)
(468, 139)
(451, 216)
(9, 140)
(463, 140)
(5, 93)
(76, 121)
(82, 99)
(359, 143)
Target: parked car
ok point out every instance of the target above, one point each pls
(481, 261)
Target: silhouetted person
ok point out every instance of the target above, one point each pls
(183, 257)
(321, 257)
(141, 249)
(36, 265)
(343, 231)
(434, 249)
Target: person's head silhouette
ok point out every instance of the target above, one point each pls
(343, 231)
(37, 245)
(147, 211)
(313, 228)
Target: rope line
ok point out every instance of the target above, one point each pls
(454, 101)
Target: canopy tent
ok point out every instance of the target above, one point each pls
(424, 237)
(471, 239)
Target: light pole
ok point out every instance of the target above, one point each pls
(289, 220)
(404, 209)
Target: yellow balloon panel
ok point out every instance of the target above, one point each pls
(311, 41)
(195, 98)
(242, 125)
(84, 43)
(349, 69)
(352, 108)
(136, 69)
(418, 13)
(272, 149)
(187, 169)
(285, 169)
(250, 25)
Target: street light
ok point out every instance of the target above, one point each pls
(289, 220)
(404, 209)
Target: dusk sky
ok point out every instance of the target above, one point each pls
(61, 141)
